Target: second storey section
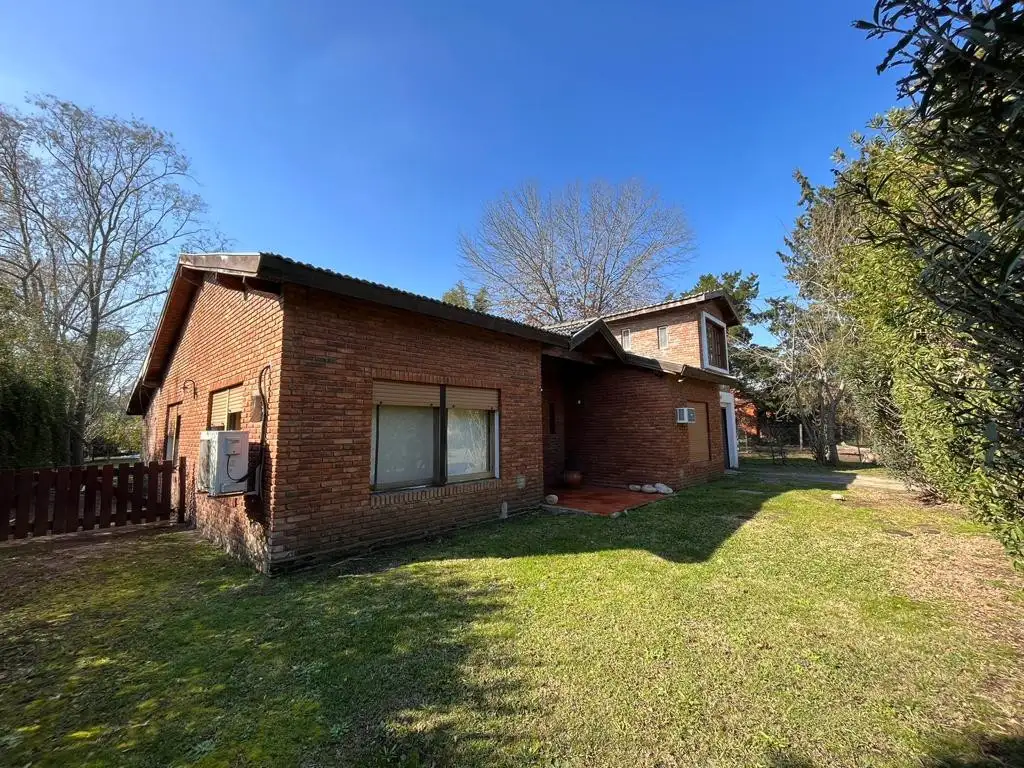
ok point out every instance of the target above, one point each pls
(691, 331)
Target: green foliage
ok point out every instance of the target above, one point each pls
(33, 415)
(33, 393)
(920, 379)
(742, 289)
(459, 296)
(955, 200)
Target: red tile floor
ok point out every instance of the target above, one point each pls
(602, 501)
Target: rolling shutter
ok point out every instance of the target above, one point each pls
(406, 393)
(222, 403)
(471, 399)
(219, 409)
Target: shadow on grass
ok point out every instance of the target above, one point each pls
(125, 662)
(970, 751)
(687, 528)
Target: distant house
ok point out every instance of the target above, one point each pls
(376, 415)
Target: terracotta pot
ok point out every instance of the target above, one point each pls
(573, 478)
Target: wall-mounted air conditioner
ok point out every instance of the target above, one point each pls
(686, 415)
(223, 465)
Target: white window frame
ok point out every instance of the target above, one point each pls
(626, 339)
(658, 332)
(704, 348)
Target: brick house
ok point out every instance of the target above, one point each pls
(376, 415)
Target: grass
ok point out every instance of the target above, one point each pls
(716, 628)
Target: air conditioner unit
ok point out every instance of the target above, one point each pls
(686, 415)
(223, 462)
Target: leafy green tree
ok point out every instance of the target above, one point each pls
(918, 377)
(742, 289)
(954, 197)
(482, 300)
(33, 391)
(457, 295)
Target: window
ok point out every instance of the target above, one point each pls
(172, 432)
(700, 446)
(432, 435)
(625, 339)
(662, 337)
(226, 408)
(713, 345)
(552, 429)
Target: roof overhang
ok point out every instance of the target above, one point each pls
(597, 329)
(720, 298)
(681, 370)
(268, 271)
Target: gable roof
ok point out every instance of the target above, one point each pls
(599, 329)
(262, 269)
(721, 298)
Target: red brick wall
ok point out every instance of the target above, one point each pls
(227, 339)
(683, 333)
(625, 432)
(334, 348)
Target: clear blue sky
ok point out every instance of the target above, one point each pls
(364, 137)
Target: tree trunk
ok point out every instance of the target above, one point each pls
(79, 421)
(829, 429)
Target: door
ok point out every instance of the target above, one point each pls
(726, 448)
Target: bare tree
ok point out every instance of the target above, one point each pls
(580, 253)
(807, 367)
(92, 209)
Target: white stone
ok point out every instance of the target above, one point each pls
(648, 488)
(662, 488)
(551, 499)
(634, 487)
(838, 497)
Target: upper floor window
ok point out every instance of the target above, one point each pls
(662, 337)
(625, 339)
(715, 355)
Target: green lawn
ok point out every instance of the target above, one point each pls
(717, 628)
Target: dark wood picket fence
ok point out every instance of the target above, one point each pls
(45, 502)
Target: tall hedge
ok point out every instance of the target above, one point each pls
(915, 371)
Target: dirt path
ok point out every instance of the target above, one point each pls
(842, 479)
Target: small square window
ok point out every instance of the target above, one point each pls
(226, 408)
(663, 337)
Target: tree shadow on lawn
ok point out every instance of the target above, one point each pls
(686, 528)
(971, 750)
(146, 665)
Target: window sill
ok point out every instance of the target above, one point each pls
(716, 369)
(399, 495)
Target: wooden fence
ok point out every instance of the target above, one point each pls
(44, 502)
